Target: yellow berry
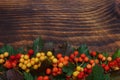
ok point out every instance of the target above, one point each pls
(22, 60)
(54, 60)
(1, 56)
(26, 57)
(49, 53)
(42, 58)
(2, 61)
(6, 54)
(32, 62)
(35, 66)
(29, 65)
(38, 55)
(25, 62)
(42, 54)
(52, 57)
(27, 70)
(36, 60)
(39, 64)
(20, 64)
(75, 73)
(24, 67)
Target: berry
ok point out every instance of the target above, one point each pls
(86, 59)
(89, 66)
(82, 55)
(106, 68)
(40, 78)
(100, 56)
(31, 52)
(93, 53)
(76, 53)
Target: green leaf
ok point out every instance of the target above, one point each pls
(20, 50)
(68, 70)
(28, 76)
(84, 49)
(38, 45)
(98, 74)
(7, 48)
(105, 54)
(116, 54)
(59, 77)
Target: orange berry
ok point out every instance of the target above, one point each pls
(80, 59)
(96, 61)
(109, 58)
(54, 74)
(48, 71)
(76, 59)
(93, 53)
(54, 64)
(61, 59)
(76, 53)
(60, 65)
(86, 59)
(45, 78)
(40, 78)
(92, 61)
(65, 62)
(93, 64)
(55, 69)
(59, 55)
(100, 56)
(104, 58)
(59, 72)
(89, 66)
(72, 56)
(66, 58)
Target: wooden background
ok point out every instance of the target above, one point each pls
(93, 22)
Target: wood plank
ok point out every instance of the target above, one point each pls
(93, 22)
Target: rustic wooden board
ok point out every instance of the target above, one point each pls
(93, 22)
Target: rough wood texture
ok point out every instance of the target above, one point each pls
(93, 22)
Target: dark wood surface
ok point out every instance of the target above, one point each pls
(93, 22)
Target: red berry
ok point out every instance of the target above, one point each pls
(18, 56)
(118, 59)
(85, 70)
(72, 56)
(76, 53)
(12, 57)
(89, 71)
(80, 75)
(31, 52)
(40, 78)
(106, 68)
(103, 65)
(48, 71)
(93, 53)
(82, 55)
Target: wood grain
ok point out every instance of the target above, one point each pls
(93, 22)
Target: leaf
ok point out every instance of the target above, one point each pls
(38, 45)
(84, 49)
(116, 54)
(7, 48)
(105, 54)
(68, 70)
(28, 76)
(20, 50)
(59, 77)
(98, 74)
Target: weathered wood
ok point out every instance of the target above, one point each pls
(93, 22)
